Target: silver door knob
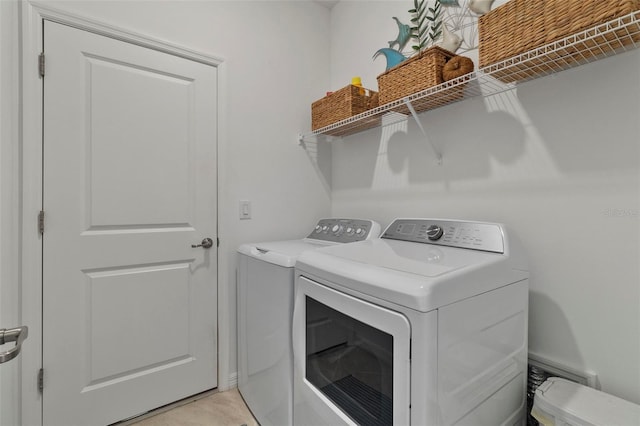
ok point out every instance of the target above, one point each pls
(12, 335)
(206, 243)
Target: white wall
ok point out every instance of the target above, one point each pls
(557, 161)
(276, 56)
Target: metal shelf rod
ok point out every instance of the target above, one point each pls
(419, 123)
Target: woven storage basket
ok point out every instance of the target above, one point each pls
(341, 104)
(413, 75)
(523, 25)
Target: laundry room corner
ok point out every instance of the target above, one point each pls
(555, 159)
(162, 174)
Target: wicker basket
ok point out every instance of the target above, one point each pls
(341, 104)
(523, 25)
(413, 75)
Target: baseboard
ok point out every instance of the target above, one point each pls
(233, 381)
(555, 368)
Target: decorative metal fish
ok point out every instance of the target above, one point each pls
(404, 34)
(392, 56)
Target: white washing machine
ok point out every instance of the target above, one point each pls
(264, 311)
(426, 325)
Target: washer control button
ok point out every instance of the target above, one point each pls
(434, 232)
(350, 230)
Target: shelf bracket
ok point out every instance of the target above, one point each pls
(312, 137)
(419, 123)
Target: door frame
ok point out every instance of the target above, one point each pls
(9, 202)
(30, 253)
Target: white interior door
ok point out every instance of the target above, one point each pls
(129, 307)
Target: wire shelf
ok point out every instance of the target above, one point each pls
(608, 39)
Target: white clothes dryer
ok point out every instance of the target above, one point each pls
(264, 311)
(426, 325)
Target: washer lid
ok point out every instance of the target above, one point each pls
(420, 259)
(414, 275)
(282, 253)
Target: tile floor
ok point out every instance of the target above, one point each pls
(219, 409)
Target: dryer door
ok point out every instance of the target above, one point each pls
(351, 360)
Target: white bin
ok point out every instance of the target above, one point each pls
(560, 402)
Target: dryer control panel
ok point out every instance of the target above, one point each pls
(469, 235)
(345, 230)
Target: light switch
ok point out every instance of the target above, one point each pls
(245, 209)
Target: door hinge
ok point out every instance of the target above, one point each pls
(41, 380)
(41, 222)
(41, 64)
(217, 242)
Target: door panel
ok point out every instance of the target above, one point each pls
(138, 324)
(142, 140)
(129, 307)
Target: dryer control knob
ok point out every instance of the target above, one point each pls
(337, 229)
(434, 232)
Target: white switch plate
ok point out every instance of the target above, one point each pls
(245, 209)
